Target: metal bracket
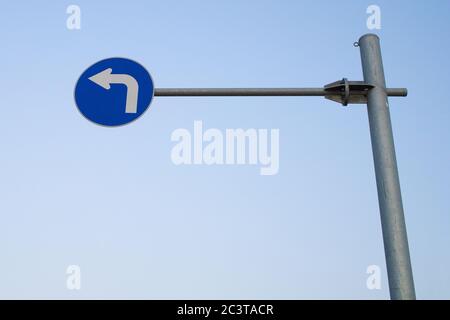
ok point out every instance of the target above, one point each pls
(346, 92)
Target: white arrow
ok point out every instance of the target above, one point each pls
(105, 78)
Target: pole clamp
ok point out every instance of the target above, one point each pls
(348, 92)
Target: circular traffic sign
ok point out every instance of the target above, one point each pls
(114, 91)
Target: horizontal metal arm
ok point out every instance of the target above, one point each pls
(193, 92)
(240, 92)
(397, 92)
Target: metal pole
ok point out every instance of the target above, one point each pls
(401, 284)
(372, 91)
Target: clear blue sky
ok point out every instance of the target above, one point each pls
(112, 202)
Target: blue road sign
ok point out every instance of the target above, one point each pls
(114, 91)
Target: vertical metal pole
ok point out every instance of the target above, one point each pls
(401, 284)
